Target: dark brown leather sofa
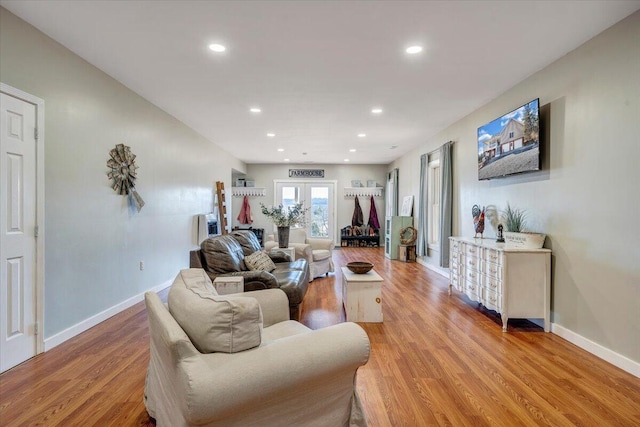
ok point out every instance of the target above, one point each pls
(224, 256)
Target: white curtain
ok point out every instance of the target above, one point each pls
(423, 207)
(392, 193)
(446, 201)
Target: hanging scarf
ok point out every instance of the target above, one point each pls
(373, 216)
(245, 213)
(357, 219)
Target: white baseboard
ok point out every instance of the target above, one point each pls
(441, 271)
(594, 348)
(92, 321)
(598, 350)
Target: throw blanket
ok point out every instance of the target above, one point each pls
(245, 213)
(357, 218)
(373, 216)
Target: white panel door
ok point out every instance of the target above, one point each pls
(17, 231)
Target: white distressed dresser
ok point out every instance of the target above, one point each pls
(514, 282)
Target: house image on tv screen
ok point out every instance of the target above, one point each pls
(510, 144)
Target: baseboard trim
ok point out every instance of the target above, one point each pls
(441, 271)
(92, 321)
(594, 348)
(598, 350)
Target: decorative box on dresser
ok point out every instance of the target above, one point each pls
(515, 282)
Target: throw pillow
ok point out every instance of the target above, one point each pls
(214, 323)
(259, 261)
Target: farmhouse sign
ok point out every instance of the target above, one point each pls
(306, 173)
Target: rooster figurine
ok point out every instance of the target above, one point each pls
(478, 220)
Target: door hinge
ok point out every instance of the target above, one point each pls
(35, 133)
(36, 328)
(36, 230)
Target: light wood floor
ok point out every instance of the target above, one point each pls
(436, 360)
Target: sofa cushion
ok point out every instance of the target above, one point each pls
(247, 240)
(321, 254)
(214, 323)
(259, 261)
(223, 254)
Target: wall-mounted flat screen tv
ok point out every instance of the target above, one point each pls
(510, 144)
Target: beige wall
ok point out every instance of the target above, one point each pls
(94, 242)
(264, 175)
(587, 198)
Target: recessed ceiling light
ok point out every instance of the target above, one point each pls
(376, 110)
(412, 50)
(281, 149)
(255, 110)
(393, 147)
(217, 47)
(362, 135)
(346, 160)
(271, 135)
(352, 150)
(286, 160)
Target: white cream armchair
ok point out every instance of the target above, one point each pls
(203, 371)
(316, 251)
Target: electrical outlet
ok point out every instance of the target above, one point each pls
(141, 265)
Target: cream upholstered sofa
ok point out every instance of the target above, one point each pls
(316, 251)
(237, 360)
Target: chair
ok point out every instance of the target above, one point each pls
(316, 251)
(236, 360)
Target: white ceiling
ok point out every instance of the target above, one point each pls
(317, 68)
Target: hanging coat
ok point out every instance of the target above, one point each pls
(373, 216)
(357, 219)
(245, 213)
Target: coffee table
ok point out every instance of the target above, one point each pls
(362, 296)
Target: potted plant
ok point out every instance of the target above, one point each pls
(515, 222)
(284, 218)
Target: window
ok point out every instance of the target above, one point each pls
(510, 134)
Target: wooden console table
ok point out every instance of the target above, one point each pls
(514, 282)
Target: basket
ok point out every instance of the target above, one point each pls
(359, 267)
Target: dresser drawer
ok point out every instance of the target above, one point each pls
(472, 276)
(456, 246)
(492, 300)
(471, 263)
(492, 270)
(473, 291)
(455, 280)
(455, 258)
(471, 250)
(491, 255)
(492, 284)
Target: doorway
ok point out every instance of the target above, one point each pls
(318, 197)
(21, 226)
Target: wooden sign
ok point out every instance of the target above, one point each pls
(306, 173)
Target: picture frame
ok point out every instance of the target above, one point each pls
(407, 206)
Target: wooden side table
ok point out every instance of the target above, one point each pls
(407, 253)
(229, 285)
(362, 296)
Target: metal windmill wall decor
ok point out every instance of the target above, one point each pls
(123, 174)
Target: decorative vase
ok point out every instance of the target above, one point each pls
(283, 237)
